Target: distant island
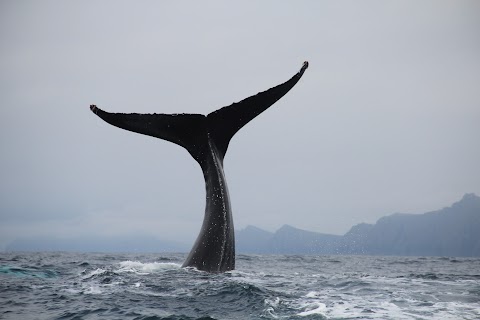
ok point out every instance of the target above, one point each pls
(452, 231)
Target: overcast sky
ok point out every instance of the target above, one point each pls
(386, 118)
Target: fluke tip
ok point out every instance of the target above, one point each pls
(305, 65)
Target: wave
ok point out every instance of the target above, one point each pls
(28, 272)
(146, 268)
(147, 286)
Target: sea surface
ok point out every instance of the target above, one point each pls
(154, 286)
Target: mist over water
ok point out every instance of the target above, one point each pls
(153, 286)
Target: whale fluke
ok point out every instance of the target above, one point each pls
(226, 121)
(207, 138)
(182, 129)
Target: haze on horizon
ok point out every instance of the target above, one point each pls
(384, 120)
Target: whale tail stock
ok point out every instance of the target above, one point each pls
(192, 131)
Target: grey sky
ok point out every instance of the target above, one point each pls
(386, 119)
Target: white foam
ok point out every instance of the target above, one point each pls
(93, 290)
(146, 268)
(270, 312)
(272, 303)
(314, 308)
(312, 294)
(71, 290)
(347, 306)
(94, 273)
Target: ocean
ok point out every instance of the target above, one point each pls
(50, 285)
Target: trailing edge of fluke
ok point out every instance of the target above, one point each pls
(206, 138)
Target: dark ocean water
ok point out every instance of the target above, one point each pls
(153, 286)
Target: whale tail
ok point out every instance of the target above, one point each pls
(206, 138)
(192, 131)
